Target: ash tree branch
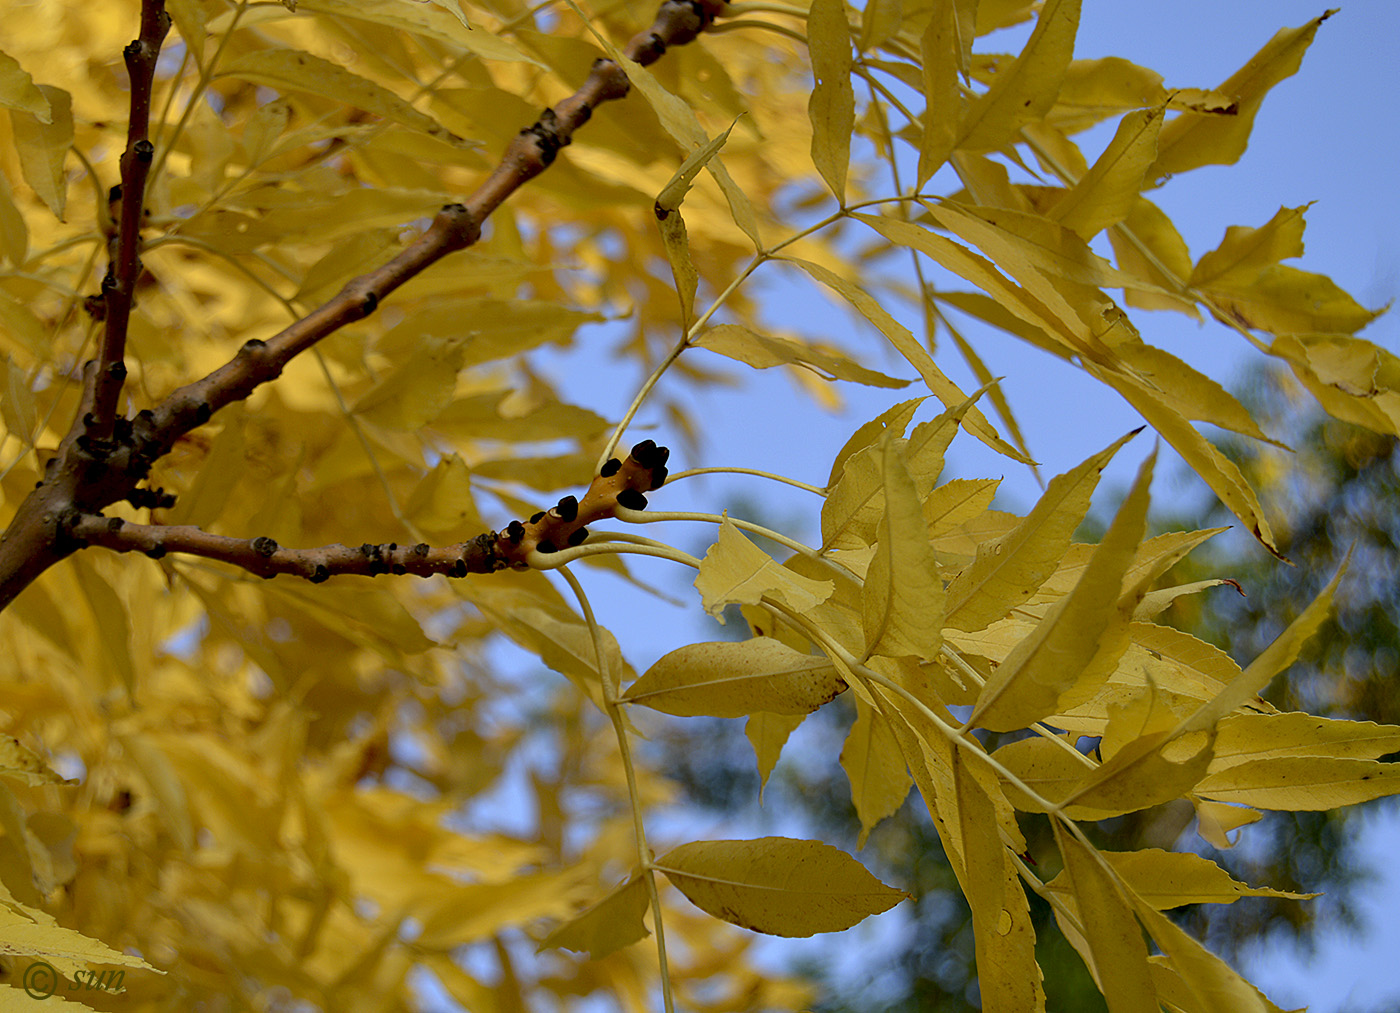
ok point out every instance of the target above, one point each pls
(621, 483)
(105, 456)
(107, 373)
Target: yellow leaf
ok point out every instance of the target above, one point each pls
(1168, 879)
(1189, 393)
(768, 733)
(1353, 379)
(113, 624)
(900, 336)
(1245, 252)
(1106, 194)
(729, 680)
(1117, 953)
(902, 603)
(1196, 139)
(1213, 983)
(1008, 975)
(464, 914)
(831, 107)
(432, 21)
(1010, 307)
(895, 418)
(43, 146)
(18, 91)
(1283, 299)
(1217, 470)
(957, 501)
(1215, 820)
(1008, 570)
(291, 69)
(495, 328)
(776, 885)
(416, 391)
(17, 404)
(1245, 737)
(442, 502)
(1025, 91)
(23, 764)
(607, 926)
(875, 767)
(29, 932)
(1054, 660)
(943, 56)
(1295, 783)
(680, 122)
(14, 233)
(1149, 247)
(673, 231)
(735, 571)
(762, 351)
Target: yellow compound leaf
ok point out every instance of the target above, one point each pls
(1054, 661)
(290, 69)
(902, 603)
(1026, 90)
(607, 926)
(1117, 952)
(1196, 139)
(776, 885)
(737, 572)
(1008, 570)
(1106, 194)
(730, 680)
(875, 768)
(43, 146)
(762, 351)
(832, 105)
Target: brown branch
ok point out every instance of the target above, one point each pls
(623, 483)
(105, 376)
(104, 457)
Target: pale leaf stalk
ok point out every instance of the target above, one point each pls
(644, 857)
(655, 517)
(692, 472)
